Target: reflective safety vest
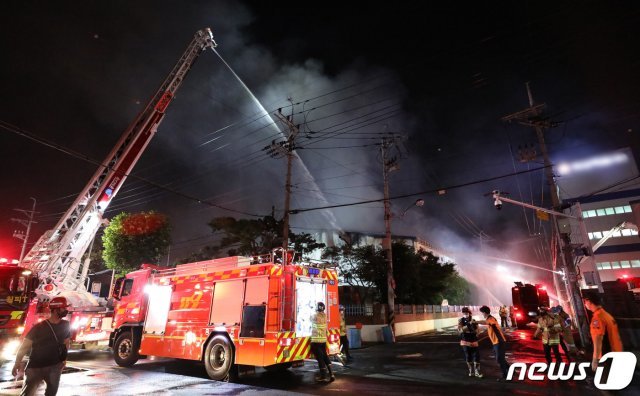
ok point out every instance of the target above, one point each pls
(343, 326)
(319, 327)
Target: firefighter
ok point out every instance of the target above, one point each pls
(549, 328)
(566, 337)
(48, 342)
(468, 329)
(604, 330)
(512, 317)
(497, 338)
(503, 316)
(344, 340)
(319, 344)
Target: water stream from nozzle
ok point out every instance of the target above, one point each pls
(326, 213)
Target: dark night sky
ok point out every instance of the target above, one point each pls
(77, 72)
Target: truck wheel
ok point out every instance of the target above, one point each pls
(125, 353)
(218, 358)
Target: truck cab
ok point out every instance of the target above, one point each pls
(17, 286)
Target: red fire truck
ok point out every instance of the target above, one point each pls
(527, 299)
(224, 312)
(54, 264)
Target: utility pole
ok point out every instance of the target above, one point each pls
(532, 117)
(285, 148)
(388, 166)
(26, 223)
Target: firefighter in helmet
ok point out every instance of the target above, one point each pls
(47, 341)
(550, 328)
(319, 343)
(344, 340)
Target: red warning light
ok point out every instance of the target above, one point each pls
(625, 276)
(48, 287)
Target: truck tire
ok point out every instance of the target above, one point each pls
(218, 358)
(125, 352)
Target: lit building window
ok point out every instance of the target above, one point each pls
(615, 265)
(601, 212)
(606, 265)
(609, 211)
(625, 264)
(597, 234)
(627, 209)
(626, 232)
(590, 213)
(619, 209)
(591, 235)
(635, 263)
(599, 266)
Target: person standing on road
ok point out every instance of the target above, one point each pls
(512, 317)
(503, 316)
(604, 330)
(48, 342)
(566, 337)
(550, 328)
(344, 340)
(319, 344)
(468, 329)
(497, 338)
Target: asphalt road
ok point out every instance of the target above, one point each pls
(429, 363)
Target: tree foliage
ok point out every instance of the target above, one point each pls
(134, 239)
(419, 276)
(250, 237)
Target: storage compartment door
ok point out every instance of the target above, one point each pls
(308, 294)
(158, 309)
(226, 308)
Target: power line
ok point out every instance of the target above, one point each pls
(75, 154)
(295, 211)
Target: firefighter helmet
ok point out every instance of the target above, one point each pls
(58, 303)
(320, 306)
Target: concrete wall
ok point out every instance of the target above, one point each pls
(373, 333)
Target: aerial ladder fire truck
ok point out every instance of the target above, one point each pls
(53, 266)
(229, 313)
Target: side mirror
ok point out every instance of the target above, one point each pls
(117, 287)
(35, 282)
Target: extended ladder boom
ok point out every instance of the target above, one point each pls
(57, 254)
(622, 226)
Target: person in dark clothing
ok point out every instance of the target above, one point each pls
(468, 329)
(46, 361)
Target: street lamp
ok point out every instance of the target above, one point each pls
(419, 202)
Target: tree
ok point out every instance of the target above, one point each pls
(134, 239)
(362, 267)
(420, 277)
(251, 237)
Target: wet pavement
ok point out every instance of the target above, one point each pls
(429, 363)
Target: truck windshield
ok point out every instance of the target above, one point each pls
(13, 289)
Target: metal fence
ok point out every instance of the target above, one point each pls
(368, 310)
(358, 310)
